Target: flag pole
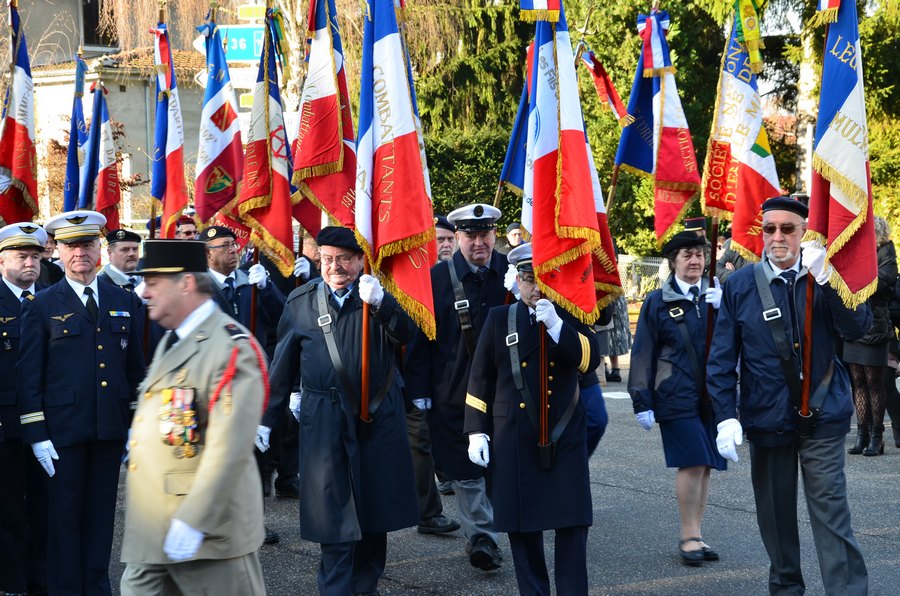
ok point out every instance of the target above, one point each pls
(581, 44)
(612, 189)
(710, 309)
(364, 378)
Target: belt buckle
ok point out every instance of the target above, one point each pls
(512, 339)
(461, 304)
(676, 312)
(771, 314)
(324, 320)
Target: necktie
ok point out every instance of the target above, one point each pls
(91, 304)
(481, 272)
(790, 277)
(228, 290)
(341, 292)
(695, 298)
(25, 295)
(533, 319)
(171, 340)
(132, 281)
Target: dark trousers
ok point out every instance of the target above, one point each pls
(352, 567)
(569, 559)
(773, 472)
(429, 499)
(82, 510)
(23, 518)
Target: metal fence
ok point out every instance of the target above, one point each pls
(642, 275)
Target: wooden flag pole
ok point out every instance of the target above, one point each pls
(364, 379)
(612, 189)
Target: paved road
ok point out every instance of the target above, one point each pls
(632, 545)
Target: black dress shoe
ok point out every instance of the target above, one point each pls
(692, 558)
(709, 554)
(484, 554)
(272, 537)
(288, 490)
(439, 524)
(614, 376)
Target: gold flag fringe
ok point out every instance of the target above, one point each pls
(401, 246)
(850, 298)
(26, 196)
(417, 311)
(823, 17)
(588, 318)
(533, 16)
(658, 72)
(753, 45)
(282, 256)
(671, 230)
(859, 195)
(324, 169)
(744, 252)
(626, 120)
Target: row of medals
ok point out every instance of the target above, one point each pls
(178, 422)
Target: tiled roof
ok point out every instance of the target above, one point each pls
(187, 62)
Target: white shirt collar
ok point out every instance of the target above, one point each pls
(193, 320)
(340, 299)
(16, 290)
(795, 267)
(685, 287)
(78, 288)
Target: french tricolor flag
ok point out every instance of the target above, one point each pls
(78, 136)
(220, 154)
(394, 216)
(540, 10)
(167, 171)
(265, 200)
(325, 149)
(605, 88)
(18, 160)
(100, 183)
(573, 258)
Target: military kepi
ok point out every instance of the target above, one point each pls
(22, 235)
(75, 226)
(339, 237)
(122, 236)
(475, 218)
(173, 256)
(786, 204)
(520, 257)
(683, 240)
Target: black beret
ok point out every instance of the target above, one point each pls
(214, 232)
(173, 256)
(786, 204)
(122, 236)
(441, 221)
(683, 240)
(513, 226)
(339, 237)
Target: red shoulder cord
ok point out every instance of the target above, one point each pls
(231, 369)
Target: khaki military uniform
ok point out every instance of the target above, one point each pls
(209, 481)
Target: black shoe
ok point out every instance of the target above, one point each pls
(692, 558)
(876, 445)
(862, 439)
(709, 554)
(614, 376)
(484, 554)
(446, 488)
(288, 490)
(439, 524)
(272, 537)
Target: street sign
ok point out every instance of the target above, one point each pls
(243, 43)
(243, 77)
(201, 78)
(251, 12)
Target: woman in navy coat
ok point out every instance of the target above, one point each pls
(665, 386)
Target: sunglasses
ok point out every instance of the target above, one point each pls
(786, 229)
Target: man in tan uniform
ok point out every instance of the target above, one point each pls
(193, 517)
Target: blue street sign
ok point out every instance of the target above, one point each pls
(243, 43)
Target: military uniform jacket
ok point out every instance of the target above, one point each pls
(440, 369)
(661, 377)
(269, 305)
(216, 491)
(77, 379)
(527, 498)
(108, 275)
(10, 326)
(348, 484)
(742, 336)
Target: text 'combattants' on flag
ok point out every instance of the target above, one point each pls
(394, 214)
(840, 198)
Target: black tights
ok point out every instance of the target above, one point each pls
(868, 394)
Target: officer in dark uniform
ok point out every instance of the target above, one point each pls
(80, 364)
(356, 478)
(437, 372)
(23, 499)
(534, 491)
(123, 250)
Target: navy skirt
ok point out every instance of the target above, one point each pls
(688, 442)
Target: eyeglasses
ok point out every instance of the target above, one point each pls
(786, 229)
(342, 260)
(229, 246)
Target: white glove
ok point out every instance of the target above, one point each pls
(139, 291)
(714, 294)
(182, 541)
(370, 290)
(730, 436)
(545, 313)
(511, 281)
(301, 268)
(479, 454)
(294, 405)
(812, 256)
(262, 438)
(258, 275)
(646, 419)
(45, 454)
(423, 403)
